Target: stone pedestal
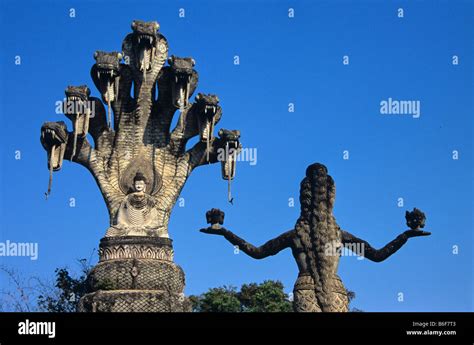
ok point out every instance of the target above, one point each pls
(135, 274)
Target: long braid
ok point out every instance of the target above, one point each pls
(316, 228)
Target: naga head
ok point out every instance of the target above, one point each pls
(77, 98)
(53, 134)
(231, 147)
(207, 109)
(207, 104)
(144, 40)
(77, 93)
(230, 136)
(182, 72)
(106, 74)
(54, 137)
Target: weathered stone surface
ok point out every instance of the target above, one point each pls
(139, 274)
(316, 243)
(135, 247)
(134, 301)
(139, 141)
(135, 272)
(139, 163)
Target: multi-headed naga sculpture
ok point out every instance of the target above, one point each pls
(138, 162)
(143, 95)
(316, 243)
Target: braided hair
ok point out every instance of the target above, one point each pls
(316, 228)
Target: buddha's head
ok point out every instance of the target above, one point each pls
(139, 182)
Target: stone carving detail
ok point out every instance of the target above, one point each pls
(134, 301)
(132, 269)
(133, 251)
(316, 243)
(139, 163)
(135, 248)
(137, 215)
(129, 251)
(133, 136)
(136, 274)
(54, 137)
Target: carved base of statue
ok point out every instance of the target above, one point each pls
(135, 274)
(304, 295)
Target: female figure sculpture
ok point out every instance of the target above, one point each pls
(313, 241)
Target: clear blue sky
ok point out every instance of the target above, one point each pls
(282, 60)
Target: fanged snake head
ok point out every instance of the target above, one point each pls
(76, 98)
(208, 115)
(106, 74)
(231, 144)
(182, 72)
(144, 39)
(53, 134)
(207, 104)
(230, 136)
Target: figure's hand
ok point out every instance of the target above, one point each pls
(213, 230)
(416, 233)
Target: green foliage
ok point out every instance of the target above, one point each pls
(265, 297)
(268, 296)
(64, 296)
(68, 292)
(351, 296)
(222, 299)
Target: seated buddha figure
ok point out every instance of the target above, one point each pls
(137, 214)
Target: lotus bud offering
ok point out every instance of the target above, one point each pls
(215, 217)
(415, 219)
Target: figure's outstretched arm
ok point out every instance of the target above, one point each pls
(363, 248)
(415, 220)
(271, 247)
